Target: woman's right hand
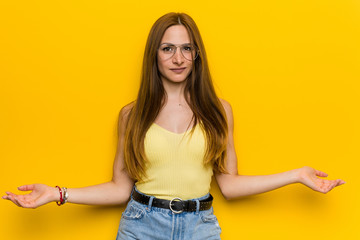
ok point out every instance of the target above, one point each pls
(40, 194)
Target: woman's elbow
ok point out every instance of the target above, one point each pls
(228, 196)
(228, 185)
(226, 192)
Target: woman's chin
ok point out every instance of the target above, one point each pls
(175, 80)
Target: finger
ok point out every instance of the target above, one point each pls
(331, 185)
(5, 197)
(26, 201)
(12, 198)
(21, 201)
(10, 194)
(341, 182)
(334, 184)
(16, 201)
(13, 195)
(320, 173)
(29, 187)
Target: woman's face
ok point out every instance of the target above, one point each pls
(176, 68)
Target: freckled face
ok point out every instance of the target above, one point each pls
(177, 68)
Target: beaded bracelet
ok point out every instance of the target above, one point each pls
(61, 198)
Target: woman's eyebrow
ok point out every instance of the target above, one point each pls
(173, 43)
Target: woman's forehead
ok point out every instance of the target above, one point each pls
(176, 34)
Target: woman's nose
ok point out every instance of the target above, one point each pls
(178, 57)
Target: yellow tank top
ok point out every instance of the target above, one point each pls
(175, 167)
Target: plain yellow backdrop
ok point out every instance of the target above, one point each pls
(290, 70)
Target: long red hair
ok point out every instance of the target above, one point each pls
(206, 106)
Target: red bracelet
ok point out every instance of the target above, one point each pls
(61, 198)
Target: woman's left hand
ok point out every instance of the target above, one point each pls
(310, 177)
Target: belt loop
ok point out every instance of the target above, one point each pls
(197, 206)
(148, 208)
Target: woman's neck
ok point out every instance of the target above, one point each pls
(175, 91)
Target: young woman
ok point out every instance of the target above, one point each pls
(172, 139)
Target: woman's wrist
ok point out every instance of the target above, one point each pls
(293, 176)
(296, 175)
(55, 194)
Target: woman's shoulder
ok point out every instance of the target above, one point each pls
(226, 105)
(124, 112)
(127, 108)
(228, 110)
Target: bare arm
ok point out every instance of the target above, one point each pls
(116, 191)
(233, 185)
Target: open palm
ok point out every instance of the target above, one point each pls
(40, 195)
(310, 177)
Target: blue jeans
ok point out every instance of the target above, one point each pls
(145, 222)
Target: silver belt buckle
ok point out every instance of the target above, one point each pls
(174, 211)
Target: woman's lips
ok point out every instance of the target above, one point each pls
(177, 70)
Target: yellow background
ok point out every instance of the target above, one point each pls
(290, 69)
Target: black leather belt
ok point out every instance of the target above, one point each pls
(176, 205)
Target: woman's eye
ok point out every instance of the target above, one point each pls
(167, 49)
(187, 48)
